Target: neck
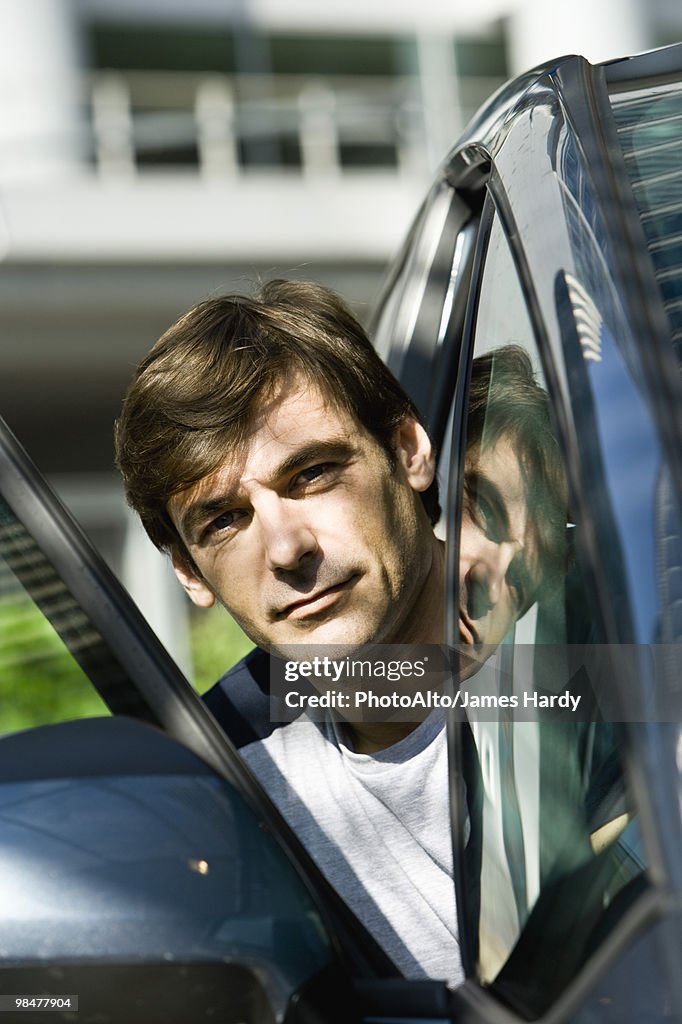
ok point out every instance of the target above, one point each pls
(370, 737)
(426, 620)
(424, 626)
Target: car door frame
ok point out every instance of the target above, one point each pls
(575, 84)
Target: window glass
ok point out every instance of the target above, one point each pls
(40, 679)
(155, 47)
(553, 856)
(421, 311)
(614, 408)
(312, 54)
(649, 124)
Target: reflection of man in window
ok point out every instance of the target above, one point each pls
(514, 516)
(547, 799)
(512, 552)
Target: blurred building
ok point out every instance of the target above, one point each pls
(157, 151)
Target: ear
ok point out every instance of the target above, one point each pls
(416, 454)
(194, 586)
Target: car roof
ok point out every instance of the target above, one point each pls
(486, 127)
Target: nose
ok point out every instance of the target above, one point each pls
(288, 539)
(487, 576)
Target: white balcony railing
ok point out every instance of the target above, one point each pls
(251, 169)
(222, 126)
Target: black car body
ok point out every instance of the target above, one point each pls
(143, 868)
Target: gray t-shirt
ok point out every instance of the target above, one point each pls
(378, 827)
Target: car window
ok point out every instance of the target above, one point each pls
(40, 679)
(420, 313)
(554, 849)
(69, 632)
(649, 125)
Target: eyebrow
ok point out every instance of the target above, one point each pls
(199, 512)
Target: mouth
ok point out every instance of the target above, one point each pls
(316, 604)
(467, 631)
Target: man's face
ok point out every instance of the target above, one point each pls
(499, 561)
(306, 534)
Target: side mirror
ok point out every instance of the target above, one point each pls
(136, 881)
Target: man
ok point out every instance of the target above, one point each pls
(270, 452)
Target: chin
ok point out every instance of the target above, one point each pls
(334, 639)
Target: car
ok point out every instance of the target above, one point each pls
(555, 226)
(144, 874)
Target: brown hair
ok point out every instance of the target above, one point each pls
(194, 395)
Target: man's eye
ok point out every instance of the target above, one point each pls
(481, 511)
(485, 518)
(222, 522)
(484, 513)
(312, 473)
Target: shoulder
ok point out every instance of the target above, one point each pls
(289, 746)
(300, 754)
(291, 764)
(240, 700)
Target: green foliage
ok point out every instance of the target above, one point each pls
(217, 643)
(39, 680)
